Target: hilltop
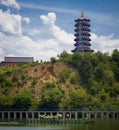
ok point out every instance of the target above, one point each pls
(73, 81)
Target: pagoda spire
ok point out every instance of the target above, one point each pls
(82, 14)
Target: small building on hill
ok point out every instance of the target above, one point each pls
(15, 61)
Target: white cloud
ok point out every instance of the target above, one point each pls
(20, 45)
(64, 39)
(62, 36)
(49, 19)
(25, 46)
(33, 32)
(10, 23)
(10, 3)
(1, 35)
(26, 19)
(1, 51)
(104, 43)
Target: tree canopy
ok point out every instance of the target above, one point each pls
(84, 82)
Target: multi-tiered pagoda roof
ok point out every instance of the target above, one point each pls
(82, 35)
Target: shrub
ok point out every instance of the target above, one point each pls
(64, 75)
(75, 79)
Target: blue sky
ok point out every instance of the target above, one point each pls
(44, 28)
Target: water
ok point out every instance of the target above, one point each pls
(31, 128)
(98, 125)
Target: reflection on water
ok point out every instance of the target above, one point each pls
(33, 128)
(98, 125)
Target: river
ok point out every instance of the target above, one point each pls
(97, 125)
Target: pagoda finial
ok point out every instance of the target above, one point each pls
(82, 14)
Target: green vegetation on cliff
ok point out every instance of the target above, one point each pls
(88, 81)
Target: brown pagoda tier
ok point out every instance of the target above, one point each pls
(82, 35)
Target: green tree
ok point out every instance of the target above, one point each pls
(85, 71)
(78, 99)
(63, 55)
(115, 60)
(99, 73)
(115, 56)
(109, 78)
(64, 75)
(95, 104)
(76, 59)
(5, 102)
(48, 85)
(75, 79)
(102, 57)
(22, 101)
(53, 60)
(50, 99)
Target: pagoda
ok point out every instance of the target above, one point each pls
(82, 35)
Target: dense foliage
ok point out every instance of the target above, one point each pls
(88, 81)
